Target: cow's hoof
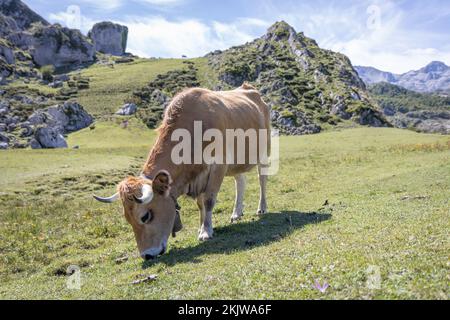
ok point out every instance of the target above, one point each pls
(204, 236)
(261, 212)
(236, 217)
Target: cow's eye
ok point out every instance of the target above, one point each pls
(147, 217)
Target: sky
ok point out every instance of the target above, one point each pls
(391, 35)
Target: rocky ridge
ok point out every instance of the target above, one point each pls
(304, 85)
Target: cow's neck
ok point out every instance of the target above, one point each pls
(160, 159)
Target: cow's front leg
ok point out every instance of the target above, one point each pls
(238, 211)
(206, 206)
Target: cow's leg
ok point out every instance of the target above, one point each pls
(206, 228)
(262, 208)
(238, 211)
(201, 208)
(216, 177)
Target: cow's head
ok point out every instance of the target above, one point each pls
(151, 211)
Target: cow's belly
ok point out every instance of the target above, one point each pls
(234, 170)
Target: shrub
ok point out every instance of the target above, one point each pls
(47, 72)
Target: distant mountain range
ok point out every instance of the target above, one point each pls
(435, 77)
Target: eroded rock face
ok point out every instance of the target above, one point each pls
(60, 46)
(109, 38)
(23, 16)
(52, 123)
(6, 52)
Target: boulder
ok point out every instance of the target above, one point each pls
(49, 137)
(56, 84)
(127, 110)
(60, 46)
(109, 38)
(66, 118)
(61, 77)
(3, 146)
(4, 138)
(7, 52)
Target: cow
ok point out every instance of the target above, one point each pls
(150, 200)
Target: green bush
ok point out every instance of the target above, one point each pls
(47, 72)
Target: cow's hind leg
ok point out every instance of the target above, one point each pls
(262, 208)
(238, 211)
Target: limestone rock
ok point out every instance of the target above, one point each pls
(60, 46)
(127, 110)
(109, 38)
(49, 137)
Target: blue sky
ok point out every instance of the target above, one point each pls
(392, 35)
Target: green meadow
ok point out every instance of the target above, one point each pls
(365, 210)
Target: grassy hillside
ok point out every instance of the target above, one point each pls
(387, 193)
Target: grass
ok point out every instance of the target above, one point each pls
(110, 87)
(387, 195)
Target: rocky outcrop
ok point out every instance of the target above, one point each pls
(48, 138)
(109, 38)
(422, 121)
(60, 46)
(23, 16)
(304, 84)
(7, 25)
(405, 109)
(44, 128)
(52, 123)
(37, 42)
(65, 118)
(7, 52)
(127, 110)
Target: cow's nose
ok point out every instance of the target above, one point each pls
(148, 257)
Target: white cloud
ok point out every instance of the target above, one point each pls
(157, 36)
(389, 45)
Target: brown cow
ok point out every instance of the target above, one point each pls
(150, 201)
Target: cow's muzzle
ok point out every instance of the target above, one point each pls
(151, 255)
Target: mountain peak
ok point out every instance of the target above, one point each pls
(21, 13)
(436, 66)
(280, 30)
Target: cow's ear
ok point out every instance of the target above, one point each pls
(161, 183)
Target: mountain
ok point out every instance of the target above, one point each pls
(406, 109)
(306, 86)
(435, 77)
(372, 75)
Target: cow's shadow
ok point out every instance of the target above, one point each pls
(242, 236)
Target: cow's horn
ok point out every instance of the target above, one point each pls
(107, 200)
(147, 195)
